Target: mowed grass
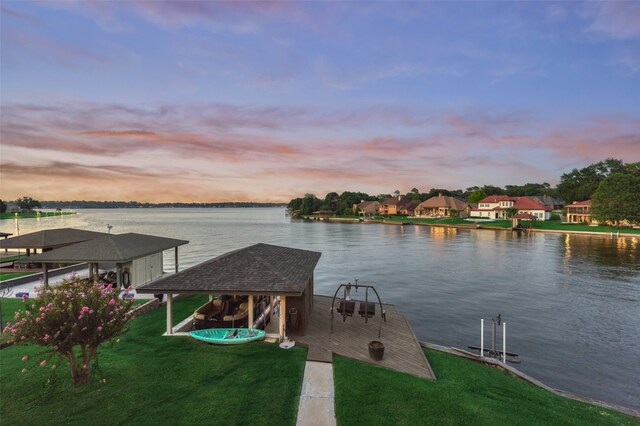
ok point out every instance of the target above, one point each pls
(466, 393)
(151, 379)
(4, 276)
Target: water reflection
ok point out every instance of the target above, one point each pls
(618, 257)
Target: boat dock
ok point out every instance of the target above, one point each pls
(351, 338)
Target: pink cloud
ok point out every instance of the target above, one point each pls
(617, 19)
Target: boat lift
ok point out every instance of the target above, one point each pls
(347, 307)
(500, 355)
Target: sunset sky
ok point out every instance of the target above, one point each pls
(214, 101)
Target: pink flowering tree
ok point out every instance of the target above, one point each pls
(72, 320)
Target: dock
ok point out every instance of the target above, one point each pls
(351, 338)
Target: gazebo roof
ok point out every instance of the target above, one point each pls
(258, 269)
(50, 238)
(118, 248)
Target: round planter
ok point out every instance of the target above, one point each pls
(376, 350)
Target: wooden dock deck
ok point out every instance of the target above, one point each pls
(351, 339)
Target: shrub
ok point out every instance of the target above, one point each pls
(72, 320)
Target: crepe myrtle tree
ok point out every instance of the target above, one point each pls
(72, 320)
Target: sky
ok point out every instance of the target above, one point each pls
(207, 101)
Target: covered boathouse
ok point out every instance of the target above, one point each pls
(283, 274)
(138, 257)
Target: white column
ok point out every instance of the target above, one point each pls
(250, 311)
(482, 337)
(211, 297)
(282, 316)
(118, 275)
(169, 313)
(504, 342)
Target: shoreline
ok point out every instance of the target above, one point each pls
(408, 222)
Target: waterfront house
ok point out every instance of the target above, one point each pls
(366, 208)
(494, 207)
(579, 212)
(395, 205)
(441, 206)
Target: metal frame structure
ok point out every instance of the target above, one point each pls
(347, 296)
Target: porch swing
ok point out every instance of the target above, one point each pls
(346, 306)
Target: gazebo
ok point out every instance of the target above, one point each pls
(283, 273)
(138, 254)
(515, 219)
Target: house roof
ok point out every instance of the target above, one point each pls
(118, 248)
(524, 203)
(258, 269)
(50, 238)
(548, 200)
(495, 199)
(396, 200)
(363, 205)
(580, 203)
(443, 201)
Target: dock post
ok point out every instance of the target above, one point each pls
(250, 325)
(169, 313)
(482, 337)
(504, 342)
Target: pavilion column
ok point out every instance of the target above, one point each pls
(45, 275)
(170, 313)
(28, 252)
(211, 297)
(118, 275)
(90, 271)
(176, 260)
(282, 316)
(250, 311)
(271, 308)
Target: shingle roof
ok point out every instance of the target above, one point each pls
(443, 201)
(117, 248)
(580, 203)
(50, 238)
(258, 269)
(524, 203)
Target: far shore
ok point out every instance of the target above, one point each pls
(492, 225)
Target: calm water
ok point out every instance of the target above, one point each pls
(571, 303)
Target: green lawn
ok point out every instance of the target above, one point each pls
(32, 215)
(466, 393)
(4, 276)
(151, 379)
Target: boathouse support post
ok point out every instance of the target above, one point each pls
(176, 259)
(482, 337)
(250, 325)
(282, 316)
(118, 275)
(45, 275)
(504, 342)
(169, 314)
(210, 297)
(271, 308)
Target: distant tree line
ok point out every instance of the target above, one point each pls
(83, 204)
(613, 186)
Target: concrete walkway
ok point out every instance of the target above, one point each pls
(317, 397)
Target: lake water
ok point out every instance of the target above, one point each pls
(571, 303)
